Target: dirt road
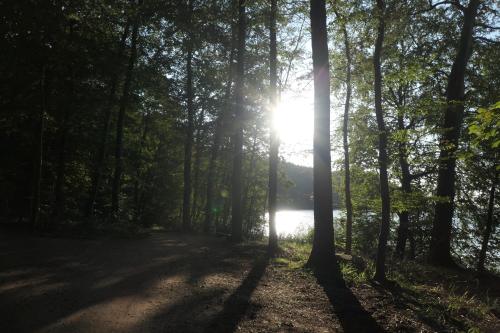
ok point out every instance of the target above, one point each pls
(165, 283)
(174, 283)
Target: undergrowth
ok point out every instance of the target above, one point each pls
(452, 301)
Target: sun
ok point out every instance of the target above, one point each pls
(293, 120)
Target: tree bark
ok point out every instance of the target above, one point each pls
(101, 154)
(38, 156)
(58, 209)
(404, 216)
(116, 189)
(440, 247)
(274, 144)
(323, 252)
(345, 133)
(488, 229)
(239, 109)
(197, 166)
(382, 146)
(188, 144)
(214, 153)
(220, 124)
(59, 204)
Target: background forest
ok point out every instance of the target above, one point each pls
(120, 114)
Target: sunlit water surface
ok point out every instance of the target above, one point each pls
(296, 222)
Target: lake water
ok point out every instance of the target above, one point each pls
(296, 222)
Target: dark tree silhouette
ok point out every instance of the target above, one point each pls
(103, 143)
(323, 251)
(440, 247)
(116, 189)
(274, 145)
(488, 228)
(188, 144)
(382, 146)
(38, 155)
(239, 109)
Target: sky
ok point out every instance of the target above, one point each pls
(295, 124)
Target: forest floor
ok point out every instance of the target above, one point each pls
(170, 282)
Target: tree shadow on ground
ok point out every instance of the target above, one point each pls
(238, 304)
(49, 280)
(347, 308)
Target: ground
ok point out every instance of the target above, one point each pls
(170, 282)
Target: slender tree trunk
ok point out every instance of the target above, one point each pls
(239, 109)
(382, 147)
(488, 229)
(440, 247)
(59, 204)
(188, 145)
(322, 256)
(103, 143)
(197, 166)
(250, 177)
(116, 189)
(404, 216)
(220, 124)
(411, 240)
(274, 144)
(345, 132)
(138, 163)
(38, 156)
(212, 165)
(58, 209)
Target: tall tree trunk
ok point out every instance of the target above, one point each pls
(212, 164)
(488, 228)
(404, 216)
(103, 143)
(250, 177)
(382, 146)
(440, 247)
(220, 124)
(188, 144)
(274, 144)
(345, 132)
(138, 175)
(38, 156)
(197, 166)
(239, 109)
(58, 209)
(323, 251)
(116, 189)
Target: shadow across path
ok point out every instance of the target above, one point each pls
(347, 308)
(238, 304)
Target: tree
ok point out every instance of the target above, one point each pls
(345, 133)
(238, 113)
(103, 143)
(323, 252)
(274, 144)
(188, 143)
(383, 159)
(116, 189)
(440, 247)
(38, 156)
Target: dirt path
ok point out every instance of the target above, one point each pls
(170, 283)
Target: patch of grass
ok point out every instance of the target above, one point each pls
(353, 275)
(294, 254)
